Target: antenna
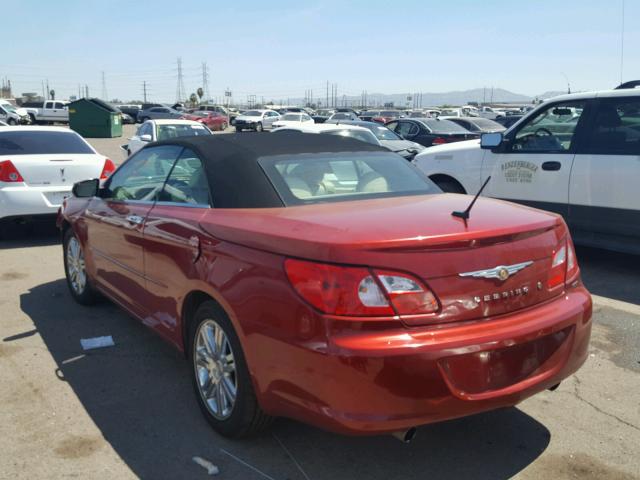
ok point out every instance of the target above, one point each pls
(465, 214)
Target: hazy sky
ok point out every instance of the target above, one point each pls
(279, 49)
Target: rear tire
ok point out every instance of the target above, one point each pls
(75, 271)
(223, 127)
(259, 127)
(220, 375)
(238, 129)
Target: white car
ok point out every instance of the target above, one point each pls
(577, 155)
(156, 130)
(293, 119)
(12, 115)
(38, 167)
(353, 131)
(256, 120)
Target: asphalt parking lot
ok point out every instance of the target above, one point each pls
(129, 411)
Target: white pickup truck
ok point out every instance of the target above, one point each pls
(49, 111)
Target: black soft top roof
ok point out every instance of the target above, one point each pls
(231, 161)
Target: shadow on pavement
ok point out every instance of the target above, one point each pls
(610, 274)
(139, 395)
(37, 234)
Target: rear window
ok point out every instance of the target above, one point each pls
(39, 142)
(166, 132)
(362, 135)
(444, 126)
(336, 177)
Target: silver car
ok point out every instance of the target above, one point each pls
(256, 120)
(157, 113)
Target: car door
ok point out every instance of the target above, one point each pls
(136, 142)
(173, 242)
(3, 115)
(60, 113)
(268, 119)
(604, 198)
(533, 164)
(47, 111)
(115, 221)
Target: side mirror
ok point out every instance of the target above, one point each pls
(145, 138)
(86, 188)
(490, 140)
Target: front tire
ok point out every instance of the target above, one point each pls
(223, 127)
(11, 121)
(220, 375)
(75, 270)
(238, 129)
(450, 186)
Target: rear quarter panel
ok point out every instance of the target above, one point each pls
(462, 164)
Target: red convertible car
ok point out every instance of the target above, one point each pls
(325, 279)
(214, 120)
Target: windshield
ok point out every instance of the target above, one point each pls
(166, 132)
(362, 135)
(8, 108)
(253, 113)
(340, 177)
(486, 124)
(41, 142)
(444, 126)
(383, 133)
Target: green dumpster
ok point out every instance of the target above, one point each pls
(94, 118)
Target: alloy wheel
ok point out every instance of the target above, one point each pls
(215, 369)
(76, 266)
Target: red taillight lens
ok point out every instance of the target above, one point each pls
(564, 266)
(108, 169)
(572, 262)
(558, 266)
(358, 291)
(439, 141)
(9, 173)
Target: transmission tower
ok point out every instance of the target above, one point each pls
(180, 95)
(205, 81)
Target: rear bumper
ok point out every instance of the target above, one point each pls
(384, 381)
(25, 201)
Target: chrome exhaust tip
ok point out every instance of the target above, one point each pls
(405, 436)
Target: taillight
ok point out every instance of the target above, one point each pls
(564, 266)
(359, 291)
(108, 169)
(9, 173)
(439, 141)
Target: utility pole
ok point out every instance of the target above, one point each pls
(205, 81)
(144, 91)
(327, 104)
(622, 46)
(105, 97)
(180, 95)
(47, 97)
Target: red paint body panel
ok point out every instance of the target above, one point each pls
(212, 120)
(364, 375)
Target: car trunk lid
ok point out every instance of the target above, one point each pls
(61, 170)
(416, 235)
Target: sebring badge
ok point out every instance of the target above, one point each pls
(501, 272)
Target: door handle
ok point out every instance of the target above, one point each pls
(135, 219)
(551, 166)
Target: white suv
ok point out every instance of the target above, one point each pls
(577, 155)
